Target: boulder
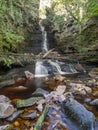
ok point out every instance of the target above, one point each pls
(78, 113)
(94, 102)
(94, 73)
(29, 75)
(6, 108)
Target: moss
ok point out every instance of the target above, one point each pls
(39, 123)
(28, 102)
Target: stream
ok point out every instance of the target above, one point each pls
(58, 82)
(23, 89)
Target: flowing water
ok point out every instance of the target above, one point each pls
(40, 69)
(44, 36)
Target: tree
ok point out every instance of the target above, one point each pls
(15, 17)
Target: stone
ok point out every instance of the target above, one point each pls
(94, 102)
(40, 92)
(88, 89)
(29, 75)
(77, 89)
(77, 112)
(4, 99)
(14, 115)
(59, 78)
(5, 83)
(6, 108)
(80, 88)
(27, 102)
(87, 100)
(91, 83)
(29, 116)
(5, 127)
(94, 73)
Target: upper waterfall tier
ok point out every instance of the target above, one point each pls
(44, 36)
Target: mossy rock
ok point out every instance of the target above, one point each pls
(39, 123)
(27, 102)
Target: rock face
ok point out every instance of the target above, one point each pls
(79, 114)
(78, 38)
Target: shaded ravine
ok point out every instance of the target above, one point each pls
(24, 88)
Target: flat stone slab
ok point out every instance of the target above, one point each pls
(28, 102)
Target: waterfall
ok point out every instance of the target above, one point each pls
(57, 67)
(73, 70)
(40, 69)
(44, 36)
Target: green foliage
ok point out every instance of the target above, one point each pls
(8, 61)
(79, 10)
(92, 8)
(15, 17)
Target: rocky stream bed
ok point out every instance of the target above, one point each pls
(50, 103)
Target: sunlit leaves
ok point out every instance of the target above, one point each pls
(92, 8)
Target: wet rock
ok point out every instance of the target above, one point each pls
(20, 81)
(87, 100)
(79, 68)
(12, 74)
(5, 127)
(78, 113)
(68, 95)
(56, 121)
(6, 109)
(80, 88)
(95, 94)
(29, 116)
(7, 83)
(29, 75)
(91, 83)
(88, 89)
(46, 79)
(94, 73)
(4, 99)
(41, 92)
(59, 78)
(94, 102)
(14, 116)
(27, 102)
